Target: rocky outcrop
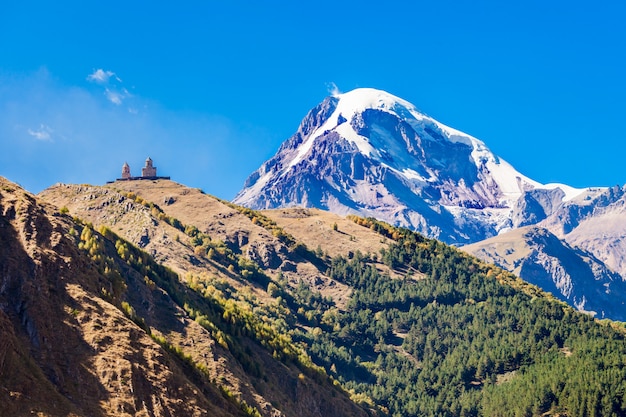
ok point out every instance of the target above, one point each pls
(536, 205)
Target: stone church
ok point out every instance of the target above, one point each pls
(148, 172)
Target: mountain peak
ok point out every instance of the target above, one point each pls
(363, 98)
(371, 153)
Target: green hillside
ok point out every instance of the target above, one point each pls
(458, 337)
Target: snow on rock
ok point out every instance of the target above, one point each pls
(371, 153)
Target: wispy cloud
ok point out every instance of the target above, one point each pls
(101, 76)
(117, 96)
(113, 90)
(43, 133)
(333, 89)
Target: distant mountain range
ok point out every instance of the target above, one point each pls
(370, 153)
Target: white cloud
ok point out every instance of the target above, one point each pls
(113, 96)
(43, 133)
(333, 89)
(113, 90)
(116, 97)
(102, 77)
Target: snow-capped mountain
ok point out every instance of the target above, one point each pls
(374, 154)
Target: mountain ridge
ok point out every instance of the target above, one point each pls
(72, 345)
(434, 311)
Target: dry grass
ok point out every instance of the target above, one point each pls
(316, 228)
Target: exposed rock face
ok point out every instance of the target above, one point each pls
(265, 256)
(596, 224)
(536, 205)
(572, 274)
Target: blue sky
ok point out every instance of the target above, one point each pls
(210, 89)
